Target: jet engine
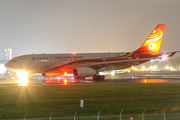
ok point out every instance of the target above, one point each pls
(82, 72)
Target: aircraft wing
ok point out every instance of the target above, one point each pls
(111, 62)
(122, 62)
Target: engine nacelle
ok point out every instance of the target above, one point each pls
(84, 72)
(51, 74)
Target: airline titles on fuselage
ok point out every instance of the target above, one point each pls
(69, 57)
(64, 58)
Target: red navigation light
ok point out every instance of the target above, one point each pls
(74, 53)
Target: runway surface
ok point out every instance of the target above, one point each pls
(81, 82)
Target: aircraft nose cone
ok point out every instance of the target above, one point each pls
(6, 65)
(18, 63)
(9, 66)
(12, 65)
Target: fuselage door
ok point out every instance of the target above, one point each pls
(136, 56)
(52, 60)
(104, 59)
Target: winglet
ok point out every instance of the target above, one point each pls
(153, 43)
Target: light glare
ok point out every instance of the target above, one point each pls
(167, 67)
(171, 68)
(112, 73)
(2, 69)
(65, 73)
(65, 82)
(101, 73)
(155, 67)
(145, 81)
(151, 67)
(143, 68)
(74, 53)
(164, 57)
(22, 76)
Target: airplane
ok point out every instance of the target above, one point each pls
(83, 65)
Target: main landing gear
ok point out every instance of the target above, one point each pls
(79, 78)
(98, 77)
(95, 78)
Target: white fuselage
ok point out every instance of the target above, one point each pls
(38, 63)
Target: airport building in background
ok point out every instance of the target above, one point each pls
(6, 56)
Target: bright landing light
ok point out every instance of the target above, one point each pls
(22, 76)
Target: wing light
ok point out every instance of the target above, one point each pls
(164, 57)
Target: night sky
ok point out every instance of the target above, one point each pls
(62, 26)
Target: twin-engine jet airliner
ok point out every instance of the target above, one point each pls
(84, 65)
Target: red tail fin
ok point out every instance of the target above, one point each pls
(153, 43)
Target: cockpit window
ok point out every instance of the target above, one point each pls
(12, 61)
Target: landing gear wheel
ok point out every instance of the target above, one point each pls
(76, 78)
(79, 78)
(98, 77)
(82, 78)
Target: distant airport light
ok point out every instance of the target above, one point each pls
(132, 67)
(167, 67)
(112, 73)
(143, 68)
(171, 68)
(135, 68)
(152, 60)
(151, 67)
(129, 71)
(155, 67)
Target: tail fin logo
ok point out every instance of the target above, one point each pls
(153, 43)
